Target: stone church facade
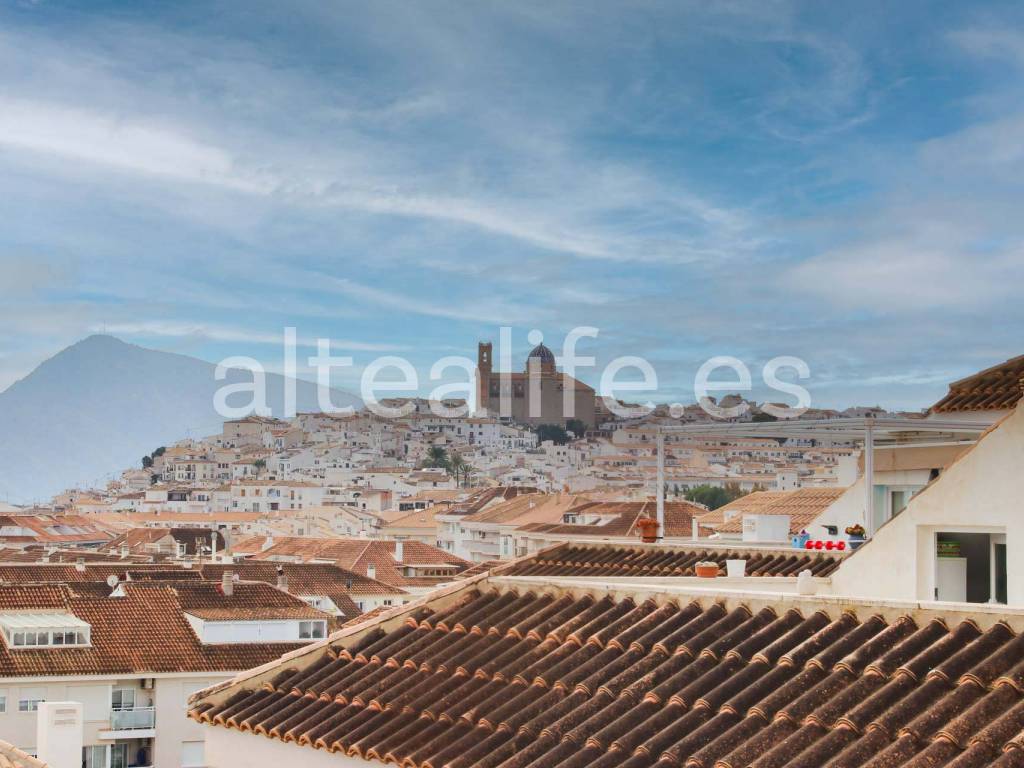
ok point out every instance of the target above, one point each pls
(535, 396)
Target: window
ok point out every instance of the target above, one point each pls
(311, 630)
(119, 755)
(30, 698)
(94, 756)
(3, 702)
(122, 698)
(192, 753)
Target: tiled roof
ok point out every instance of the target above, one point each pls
(751, 502)
(248, 601)
(11, 757)
(492, 677)
(803, 507)
(678, 519)
(141, 539)
(422, 519)
(528, 508)
(357, 554)
(657, 560)
(55, 573)
(57, 529)
(485, 496)
(144, 631)
(476, 570)
(40, 554)
(307, 579)
(994, 388)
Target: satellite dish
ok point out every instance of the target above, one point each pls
(112, 580)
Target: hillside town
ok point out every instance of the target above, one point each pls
(696, 560)
(511, 384)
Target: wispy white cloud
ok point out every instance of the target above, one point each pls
(487, 310)
(174, 329)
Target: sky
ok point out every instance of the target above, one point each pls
(840, 182)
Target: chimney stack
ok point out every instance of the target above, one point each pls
(399, 551)
(80, 565)
(227, 583)
(282, 580)
(371, 571)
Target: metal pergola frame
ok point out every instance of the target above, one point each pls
(870, 432)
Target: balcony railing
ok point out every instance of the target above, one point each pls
(137, 718)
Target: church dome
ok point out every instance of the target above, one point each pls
(545, 355)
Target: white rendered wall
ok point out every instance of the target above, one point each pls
(59, 734)
(229, 748)
(981, 492)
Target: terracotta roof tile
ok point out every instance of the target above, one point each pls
(803, 507)
(11, 757)
(662, 560)
(995, 388)
(143, 631)
(500, 678)
(357, 554)
(619, 519)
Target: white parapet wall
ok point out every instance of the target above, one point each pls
(59, 733)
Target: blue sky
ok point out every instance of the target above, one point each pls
(837, 181)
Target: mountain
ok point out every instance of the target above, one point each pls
(101, 404)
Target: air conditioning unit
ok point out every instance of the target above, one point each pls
(147, 683)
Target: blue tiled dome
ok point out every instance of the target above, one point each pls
(540, 351)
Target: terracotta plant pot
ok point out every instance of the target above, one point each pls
(706, 570)
(648, 530)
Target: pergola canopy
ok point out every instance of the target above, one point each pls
(869, 431)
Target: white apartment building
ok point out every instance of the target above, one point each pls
(132, 654)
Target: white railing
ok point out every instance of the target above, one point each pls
(137, 718)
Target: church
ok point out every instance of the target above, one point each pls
(535, 396)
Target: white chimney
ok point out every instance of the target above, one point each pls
(371, 571)
(80, 565)
(696, 529)
(59, 734)
(399, 551)
(282, 580)
(227, 583)
(213, 546)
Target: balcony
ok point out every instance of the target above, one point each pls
(133, 723)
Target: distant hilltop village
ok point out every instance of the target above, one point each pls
(240, 576)
(351, 468)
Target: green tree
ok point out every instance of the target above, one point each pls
(260, 465)
(159, 452)
(437, 457)
(576, 426)
(762, 416)
(714, 497)
(147, 462)
(460, 468)
(553, 432)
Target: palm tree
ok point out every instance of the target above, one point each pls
(458, 466)
(437, 456)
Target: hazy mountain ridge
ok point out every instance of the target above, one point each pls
(96, 407)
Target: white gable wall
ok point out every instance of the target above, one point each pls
(982, 492)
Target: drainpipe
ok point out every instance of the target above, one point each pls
(661, 486)
(869, 477)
